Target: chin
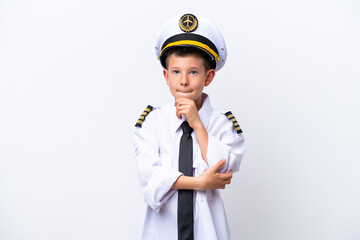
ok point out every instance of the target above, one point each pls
(185, 95)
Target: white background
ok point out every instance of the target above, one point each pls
(75, 75)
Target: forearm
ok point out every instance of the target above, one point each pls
(203, 139)
(186, 182)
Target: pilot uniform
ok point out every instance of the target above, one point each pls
(156, 140)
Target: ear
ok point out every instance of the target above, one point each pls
(166, 76)
(209, 77)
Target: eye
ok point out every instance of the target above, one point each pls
(193, 72)
(175, 71)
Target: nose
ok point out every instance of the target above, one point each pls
(184, 81)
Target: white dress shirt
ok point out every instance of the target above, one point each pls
(157, 155)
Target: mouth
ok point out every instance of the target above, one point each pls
(184, 92)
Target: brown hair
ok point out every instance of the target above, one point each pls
(186, 51)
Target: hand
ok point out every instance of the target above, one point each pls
(187, 107)
(210, 179)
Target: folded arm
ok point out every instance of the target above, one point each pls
(156, 179)
(210, 179)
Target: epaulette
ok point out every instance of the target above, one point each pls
(143, 116)
(234, 121)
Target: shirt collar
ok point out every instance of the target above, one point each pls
(204, 113)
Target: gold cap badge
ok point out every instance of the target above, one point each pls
(188, 23)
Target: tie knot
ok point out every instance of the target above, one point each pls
(186, 128)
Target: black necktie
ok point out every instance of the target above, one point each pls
(185, 198)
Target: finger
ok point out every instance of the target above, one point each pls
(184, 101)
(176, 102)
(182, 107)
(178, 115)
(180, 100)
(218, 165)
(182, 112)
(225, 176)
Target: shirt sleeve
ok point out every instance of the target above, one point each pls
(156, 179)
(223, 143)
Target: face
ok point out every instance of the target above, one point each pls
(186, 77)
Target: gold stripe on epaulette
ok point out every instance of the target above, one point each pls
(143, 115)
(232, 118)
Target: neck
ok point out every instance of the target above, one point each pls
(200, 100)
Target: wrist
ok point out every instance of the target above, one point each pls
(198, 183)
(199, 128)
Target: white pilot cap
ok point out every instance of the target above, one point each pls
(194, 31)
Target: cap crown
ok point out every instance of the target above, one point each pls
(193, 31)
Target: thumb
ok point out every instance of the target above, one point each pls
(219, 164)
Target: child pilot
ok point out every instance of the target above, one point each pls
(186, 150)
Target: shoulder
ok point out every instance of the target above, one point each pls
(143, 116)
(226, 120)
(233, 120)
(151, 115)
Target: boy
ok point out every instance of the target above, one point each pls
(186, 150)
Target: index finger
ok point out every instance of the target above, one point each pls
(177, 99)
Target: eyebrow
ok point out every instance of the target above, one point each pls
(191, 68)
